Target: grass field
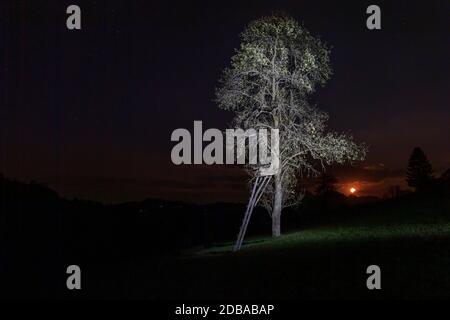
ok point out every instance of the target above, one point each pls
(409, 240)
(411, 248)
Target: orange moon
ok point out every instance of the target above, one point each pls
(352, 190)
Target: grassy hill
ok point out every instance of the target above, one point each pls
(409, 239)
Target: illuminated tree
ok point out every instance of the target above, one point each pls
(278, 65)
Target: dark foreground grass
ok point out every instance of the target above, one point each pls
(320, 263)
(412, 249)
(313, 264)
(410, 244)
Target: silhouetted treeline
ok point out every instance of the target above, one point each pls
(420, 176)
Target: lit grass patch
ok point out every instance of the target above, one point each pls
(339, 234)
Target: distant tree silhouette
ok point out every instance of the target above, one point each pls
(326, 185)
(444, 182)
(394, 192)
(445, 176)
(419, 173)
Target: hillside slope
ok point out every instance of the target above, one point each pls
(410, 241)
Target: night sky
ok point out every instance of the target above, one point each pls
(90, 112)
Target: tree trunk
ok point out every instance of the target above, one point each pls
(277, 206)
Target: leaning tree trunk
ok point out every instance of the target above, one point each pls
(277, 206)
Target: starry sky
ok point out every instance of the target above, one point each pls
(90, 112)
